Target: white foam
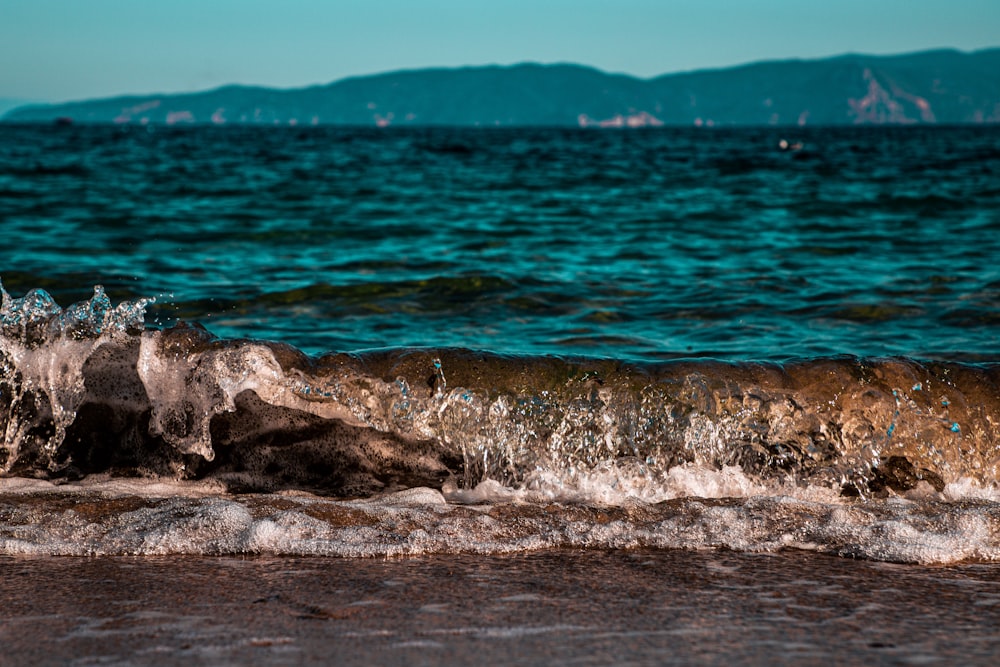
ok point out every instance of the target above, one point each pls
(420, 521)
(415, 497)
(619, 486)
(110, 487)
(967, 488)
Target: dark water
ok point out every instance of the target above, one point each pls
(500, 341)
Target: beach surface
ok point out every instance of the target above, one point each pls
(552, 607)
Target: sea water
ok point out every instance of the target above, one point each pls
(653, 357)
(358, 343)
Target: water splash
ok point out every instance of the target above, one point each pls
(88, 388)
(43, 349)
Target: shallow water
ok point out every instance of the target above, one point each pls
(359, 343)
(557, 607)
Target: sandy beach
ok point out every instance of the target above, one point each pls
(556, 607)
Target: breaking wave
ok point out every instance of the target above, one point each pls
(175, 441)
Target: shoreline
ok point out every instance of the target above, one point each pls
(553, 607)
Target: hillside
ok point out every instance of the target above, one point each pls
(941, 86)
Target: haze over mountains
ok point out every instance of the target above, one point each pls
(942, 86)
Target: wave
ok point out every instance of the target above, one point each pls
(88, 389)
(89, 392)
(162, 519)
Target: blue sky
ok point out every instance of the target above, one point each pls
(56, 50)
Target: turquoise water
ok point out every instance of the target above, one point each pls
(628, 245)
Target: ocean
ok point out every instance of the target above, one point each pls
(537, 377)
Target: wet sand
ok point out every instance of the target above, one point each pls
(556, 607)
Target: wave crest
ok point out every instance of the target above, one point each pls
(88, 389)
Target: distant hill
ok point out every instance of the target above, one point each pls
(943, 86)
(8, 103)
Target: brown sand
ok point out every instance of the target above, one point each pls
(559, 607)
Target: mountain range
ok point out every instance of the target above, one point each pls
(941, 86)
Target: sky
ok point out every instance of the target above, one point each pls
(59, 50)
